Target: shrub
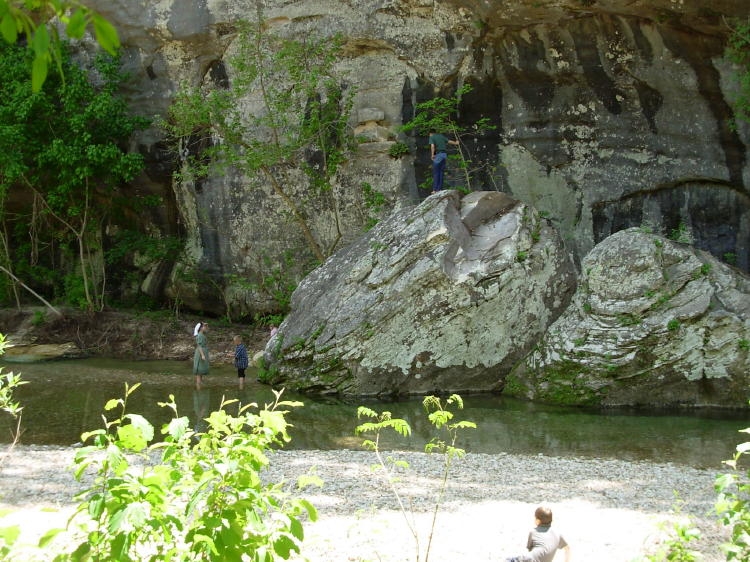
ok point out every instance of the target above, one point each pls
(193, 496)
(398, 149)
(733, 505)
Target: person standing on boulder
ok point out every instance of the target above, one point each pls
(200, 357)
(438, 152)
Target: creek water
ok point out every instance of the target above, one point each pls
(66, 398)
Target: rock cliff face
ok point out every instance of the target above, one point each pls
(609, 114)
(443, 297)
(653, 322)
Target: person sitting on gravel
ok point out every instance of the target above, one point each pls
(543, 541)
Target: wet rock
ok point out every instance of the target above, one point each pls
(31, 353)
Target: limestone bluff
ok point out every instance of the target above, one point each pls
(609, 115)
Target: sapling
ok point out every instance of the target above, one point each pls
(441, 417)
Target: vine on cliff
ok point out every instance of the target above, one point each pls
(738, 51)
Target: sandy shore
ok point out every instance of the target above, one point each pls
(608, 510)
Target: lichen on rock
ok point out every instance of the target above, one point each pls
(443, 297)
(653, 322)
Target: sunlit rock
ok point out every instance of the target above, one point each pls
(653, 322)
(445, 296)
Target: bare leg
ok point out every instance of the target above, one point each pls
(198, 381)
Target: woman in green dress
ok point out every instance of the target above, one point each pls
(200, 357)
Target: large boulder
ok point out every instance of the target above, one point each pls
(653, 322)
(446, 296)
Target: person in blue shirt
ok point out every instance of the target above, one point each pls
(439, 154)
(240, 359)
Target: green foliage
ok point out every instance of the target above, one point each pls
(9, 382)
(302, 123)
(441, 416)
(738, 51)
(266, 374)
(441, 115)
(145, 247)
(268, 320)
(375, 202)
(673, 325)
(39, 318)
(192, 496)
(733, 504)
(681, 234)
(628, 319)
(278, 279)
(22, 19)
(62, 146)
(398, 150)
(521, 256)
(75, 291)
(743, 344)
(676, 548)
(730, 258)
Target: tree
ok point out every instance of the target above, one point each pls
(300, 122)
(442, 115)
(28, 18)
(62, 148)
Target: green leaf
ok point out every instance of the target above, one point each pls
(9, 535)
(283, 546)
(49, 536)
(106, 34)
(312, 513)
(112, 404)
(295, 527)
(40, 41)
(137, 434)
(177, 427)
(8, 28)
(39, 68)
(76, 24)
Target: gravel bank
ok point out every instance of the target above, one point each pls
(607, 510)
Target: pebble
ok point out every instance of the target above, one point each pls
(607, 509)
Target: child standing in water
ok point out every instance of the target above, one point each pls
(200, 357)
(240, 359)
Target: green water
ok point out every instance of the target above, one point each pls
(65, 398)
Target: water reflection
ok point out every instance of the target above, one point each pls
(64, 399)
(201, 408)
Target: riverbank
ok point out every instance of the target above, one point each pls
(124, 334)
(607, 509)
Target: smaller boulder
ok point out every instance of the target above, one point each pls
(653, 323)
